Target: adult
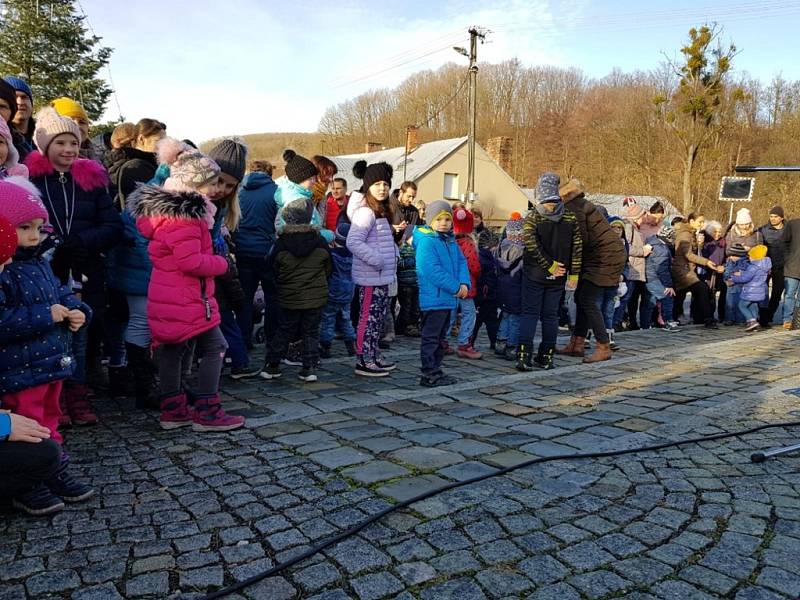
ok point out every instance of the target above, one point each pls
(408, 213)
(407, 295)
(336, 202)
(714, 250)
(253, 242)
(23, 122)
(772, 234)
(638, 251)
(791, 269)
(477, 215)
(124, 135)
(136, 162)
(653, 220)
(601, 268)
(684, 274)
(743, 232)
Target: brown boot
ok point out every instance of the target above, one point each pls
(601, 352)
(575, 347)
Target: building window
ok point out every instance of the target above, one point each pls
(451, 186)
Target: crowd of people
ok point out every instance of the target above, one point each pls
(130, 266)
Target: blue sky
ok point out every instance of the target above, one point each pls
(251, 66)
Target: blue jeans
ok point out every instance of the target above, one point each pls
(509, 329)
(791, 286)
(619, 312)
(607, 306)
(732, 312)
(138, 331)
(749, 309)
(468, 316)
(253, 271)
(539, 303)
(655, 293)
(336, 315)
(237, 351)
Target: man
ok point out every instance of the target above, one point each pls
(67, 107)
(772, 234)
(336, 203)
(22, 121)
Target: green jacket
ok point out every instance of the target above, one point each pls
(302, 264)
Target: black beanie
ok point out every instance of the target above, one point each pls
(777, 210)
(231, 156)
(298, 168)
(377, 172)
(8, 94)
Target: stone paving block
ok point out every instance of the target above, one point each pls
(708, 579)
(457, 589)
(515, 410)
(780, 581)
(50, 582)
(679, 590)
(558, 591)
(725, 561)
(598, 584)
(372, 472)
(585, 556)
(499, 552)
(376, 585)
(466, 470)
(415, 573)
(757, 593)
(383, 444)
(468, 447)
(508, 458)
(316, 576)
(340, 457)
(151, 584)
(107, 591)
(355, 556)
(500, 583)
(543, 569)
(411, 486)
(274, 588)
(426, 458)
(455, 563)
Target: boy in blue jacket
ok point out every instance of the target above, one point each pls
(658, 270)
(336, 313)
(443, 278)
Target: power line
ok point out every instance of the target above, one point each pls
(446, 104)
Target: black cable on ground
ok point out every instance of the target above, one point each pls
(379, 515)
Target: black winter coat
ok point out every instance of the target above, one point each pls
(302, 264)
(773, 238)
(126, 168)
(791, 246)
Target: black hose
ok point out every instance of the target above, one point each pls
(457, 484)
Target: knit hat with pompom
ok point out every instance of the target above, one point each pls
(189, 169)
(20, 202)
(49, 125)
(8, 240)
(298, 168)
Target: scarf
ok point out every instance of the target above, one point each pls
(554, 216)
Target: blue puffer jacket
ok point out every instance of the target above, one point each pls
(256, 233)
(33, 349)
(441, 269)
(658, 265)
(340, 284)
(754, 278)
(509, 275)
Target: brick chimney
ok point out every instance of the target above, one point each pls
(412, 138)
(501, 150)
(373, 146)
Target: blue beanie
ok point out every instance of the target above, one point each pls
(19, 85)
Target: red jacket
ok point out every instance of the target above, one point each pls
(180, 297)
(332, 210)
(470, 251)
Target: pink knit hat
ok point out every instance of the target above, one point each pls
(632, 210)
(50, 124)
(20, 201)
(189, 168)
(8, 240)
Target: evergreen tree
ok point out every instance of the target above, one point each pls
(46, 43)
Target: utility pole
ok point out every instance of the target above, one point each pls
(474, 34)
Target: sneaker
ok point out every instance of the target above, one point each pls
(270, 372)
(671, 326)
(787, 326)
(69, 489)
(243, 372)
(307, 375)
(438, 380)
(290, 362)
(386, 365)
(712, 324)
(324, 350)
(38, 502)
(467, 351)
(752, 326)
(370, 370)
(412, 331)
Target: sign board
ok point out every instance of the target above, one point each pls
(736, 189)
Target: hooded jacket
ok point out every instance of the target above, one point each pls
(33, 349)
(302, 263)
(256, 232)
(371, 241)
(128, 166)
(684, 273)
(81, 212)
(180, 297)
(658, 266)
(509, 275)
(287, 192)
(754, 277)
(441, 269)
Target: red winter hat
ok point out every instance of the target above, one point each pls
(8, 240)
(463, 221)
(20, 202)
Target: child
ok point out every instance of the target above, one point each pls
(613, 297)
(509, 285)
(407, 290)
(86, 223)
(463, 224)
(658, 270)
(552, 260)
(301, 262)
(181, 308)
(755, 289)
(486, 300)
(737, 261)
(9, 156)
(443, 280)
(336, 313)
(36, 312)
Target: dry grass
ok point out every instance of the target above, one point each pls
(270, 146)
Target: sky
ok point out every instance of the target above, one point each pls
(209, 69)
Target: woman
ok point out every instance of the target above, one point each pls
(714, 250)
(742, 231)
(374, 264)
(684, 271)
(653, 220)
(638, 251)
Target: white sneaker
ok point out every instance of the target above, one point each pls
(671, 326)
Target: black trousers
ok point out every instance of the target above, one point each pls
(435, 324)
(488, 314)
(767, 314)
(702, 307)
(296, 324)
(23, 465)
(588, 299)
(408, 297)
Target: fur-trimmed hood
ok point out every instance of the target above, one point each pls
(154, 201)
(88, 174)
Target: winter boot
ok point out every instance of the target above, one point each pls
(119, 382)
(524, 358)
(601, 352)
(544, 359)
(76, 397)
(350, 345)
(575, 347)
(210, 416)
(510, 353)
(175, 411)
(467, 351)
(145, 382)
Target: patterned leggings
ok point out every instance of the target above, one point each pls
(374, 300)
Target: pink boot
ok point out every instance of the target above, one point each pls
(174, 412)
(76, 398)
(209, 415)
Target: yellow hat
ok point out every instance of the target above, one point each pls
(67, 107)
(757, 252)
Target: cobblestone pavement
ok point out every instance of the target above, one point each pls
(178, 514)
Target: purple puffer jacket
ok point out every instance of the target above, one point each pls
(372, 244)
(754, 279)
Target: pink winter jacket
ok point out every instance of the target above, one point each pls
(180, 297)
